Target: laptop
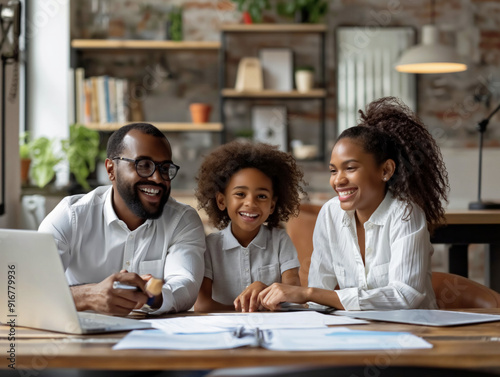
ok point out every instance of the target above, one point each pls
(35, 292)
(423, 317)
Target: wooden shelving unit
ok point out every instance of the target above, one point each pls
(233, 93)
(163, 126)
(317, 94)
(110, 44)
(270, 28)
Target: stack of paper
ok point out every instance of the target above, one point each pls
(294, 331)
(318, 339)
(261, 320)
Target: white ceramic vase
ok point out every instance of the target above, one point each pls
(304, 80)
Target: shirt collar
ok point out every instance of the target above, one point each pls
(379, 217)
(110, 214)
(229, 241)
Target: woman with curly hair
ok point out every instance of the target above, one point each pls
(247, 190)
(372, 246)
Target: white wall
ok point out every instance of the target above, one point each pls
(462, 166)
(48, 49)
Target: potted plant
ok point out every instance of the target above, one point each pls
(44, 160)
(25, 156)
(81, 151)
(309, 11)
(252, 9)
(174, 24)
(304, 78)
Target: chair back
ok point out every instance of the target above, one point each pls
(458, 292)
(300, 229)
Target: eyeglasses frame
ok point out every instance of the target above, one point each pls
(156, 164)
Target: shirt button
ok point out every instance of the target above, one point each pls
(246, 270)
(368, 226)
(368, 249)
(128, 263)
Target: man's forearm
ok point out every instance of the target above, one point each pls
(81, 295)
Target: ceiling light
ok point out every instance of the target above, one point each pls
(430, 56)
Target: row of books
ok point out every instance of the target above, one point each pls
(100, 99)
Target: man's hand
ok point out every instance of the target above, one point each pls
(248, 300)
(272, 296)
(102, 298)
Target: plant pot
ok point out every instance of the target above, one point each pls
(25, 169)
(200, 112)
(304, 80)
(247, 18)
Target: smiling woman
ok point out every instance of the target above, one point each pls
(371, 243)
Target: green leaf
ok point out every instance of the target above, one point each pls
(82, 150)
(255, 13)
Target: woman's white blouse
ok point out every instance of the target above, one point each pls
(397, 269)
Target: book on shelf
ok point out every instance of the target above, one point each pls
(80, 95)
(100, 99)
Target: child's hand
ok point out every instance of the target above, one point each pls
(271, 297)
(248, 300)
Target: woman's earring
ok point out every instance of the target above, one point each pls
(385, 178)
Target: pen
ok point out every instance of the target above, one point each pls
(153, 286)
(118, 285)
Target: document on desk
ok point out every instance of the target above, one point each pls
(317, 339)
(261, 320)
(424, 317)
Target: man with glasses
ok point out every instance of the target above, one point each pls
(131, 231)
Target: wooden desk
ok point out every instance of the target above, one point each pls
(466, 227)
(474, 346)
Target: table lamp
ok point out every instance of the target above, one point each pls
(480, 204)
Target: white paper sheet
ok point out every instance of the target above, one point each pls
(333, 339)
(157, 339)
(319, 339)
(261, 320)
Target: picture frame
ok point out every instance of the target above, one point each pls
(269, 124)
(277, 68)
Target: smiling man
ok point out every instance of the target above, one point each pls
(130, 231)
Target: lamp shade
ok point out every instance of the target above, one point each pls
(430, 56)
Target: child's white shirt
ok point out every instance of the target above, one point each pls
(232, 267)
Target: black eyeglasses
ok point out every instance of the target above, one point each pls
(146, 167)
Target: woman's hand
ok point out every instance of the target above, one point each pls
(277, 293)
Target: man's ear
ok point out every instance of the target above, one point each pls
(110, 168)
(221, 201)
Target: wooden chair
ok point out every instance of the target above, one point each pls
(452, 291)
(458, 292)
(300, 229)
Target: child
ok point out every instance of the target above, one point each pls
(246, 190)
(372, 247)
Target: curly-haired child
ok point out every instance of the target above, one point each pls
(372, 247)
(247, 190)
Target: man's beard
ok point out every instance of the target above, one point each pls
(131, 198)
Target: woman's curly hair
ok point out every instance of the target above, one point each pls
(220, 165)
(390, 130)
